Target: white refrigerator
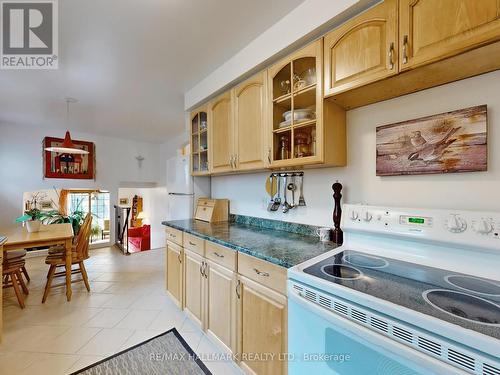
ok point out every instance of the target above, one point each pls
(183, 189)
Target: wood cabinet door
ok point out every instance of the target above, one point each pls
(221, 305)
(262, 328)
(174, 271)
(193, 286)
(431, 30)
(363, 50)
(221, 133)
(250, 123)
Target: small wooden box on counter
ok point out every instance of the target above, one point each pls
(212, 210)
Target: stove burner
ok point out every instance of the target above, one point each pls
(474, 285)
(340, 271)
(367, 261)
(464, 306)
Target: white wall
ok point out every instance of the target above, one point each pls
(479, 190)
(21, 166)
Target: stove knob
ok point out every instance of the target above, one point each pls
(482, 227)
(368, 217)
(456, 224)
(354, 215)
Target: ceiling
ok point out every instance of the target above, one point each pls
(130, 62)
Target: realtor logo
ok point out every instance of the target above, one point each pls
(29, 34)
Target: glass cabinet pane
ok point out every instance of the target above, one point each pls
(282, 82)
(194, 124)
(304, 73)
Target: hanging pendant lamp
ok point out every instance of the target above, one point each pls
(67, 147)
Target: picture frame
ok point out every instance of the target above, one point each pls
(449, 142)
(68, 166)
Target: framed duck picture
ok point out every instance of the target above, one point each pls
(444, 143)
(68, 166)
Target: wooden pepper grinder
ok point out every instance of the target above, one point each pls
(337, 234)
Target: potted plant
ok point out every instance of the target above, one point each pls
(32, 219)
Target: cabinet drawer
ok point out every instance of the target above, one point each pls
(221, 255)
(263, 272)
(174, 235)
(194, 243)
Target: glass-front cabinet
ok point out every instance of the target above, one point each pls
(300, 121)
(199, 142)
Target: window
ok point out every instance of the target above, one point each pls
(97, 203)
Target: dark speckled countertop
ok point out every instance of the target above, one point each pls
(283, 248)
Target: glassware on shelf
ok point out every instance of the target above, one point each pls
(302, 145)
(285, 87)
(298, 82)
(309, 76)
(284, 153)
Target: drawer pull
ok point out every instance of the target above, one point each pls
(260, 273)
(405, 49)
(172, 235)
(192, 244)
(238, 289)
(218, 255)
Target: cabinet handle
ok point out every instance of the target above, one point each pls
(192, 244)
(260, 273)
(172, 235)
(391, 56)
(405, 49)
(218, 255)
(179, 257)
(238, 289)
(205, 270)
(269, 155)
(202, 264)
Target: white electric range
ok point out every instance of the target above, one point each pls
(410, 291)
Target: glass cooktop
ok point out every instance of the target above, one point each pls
(468, 301)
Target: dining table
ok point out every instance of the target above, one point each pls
(48, 235)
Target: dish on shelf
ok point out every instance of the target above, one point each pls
(299, 114)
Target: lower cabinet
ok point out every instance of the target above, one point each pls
(221, 305)
(238, 300)
(194, 265)
(262, 328)
(174, 271)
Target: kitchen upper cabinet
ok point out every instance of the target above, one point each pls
(174, 271)
(363, 50)
(431, 30)
(220, 115)
(221, 305)
(262, 328)
(193, 285)
(303, 129)
(199, 142)
(250, 123)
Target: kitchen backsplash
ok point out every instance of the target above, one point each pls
(304, 229)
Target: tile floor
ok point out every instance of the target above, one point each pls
(127, 305)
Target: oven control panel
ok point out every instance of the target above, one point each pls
(478, 229)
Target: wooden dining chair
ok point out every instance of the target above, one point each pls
(15, 255)
(80, 253)
(12, 278)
